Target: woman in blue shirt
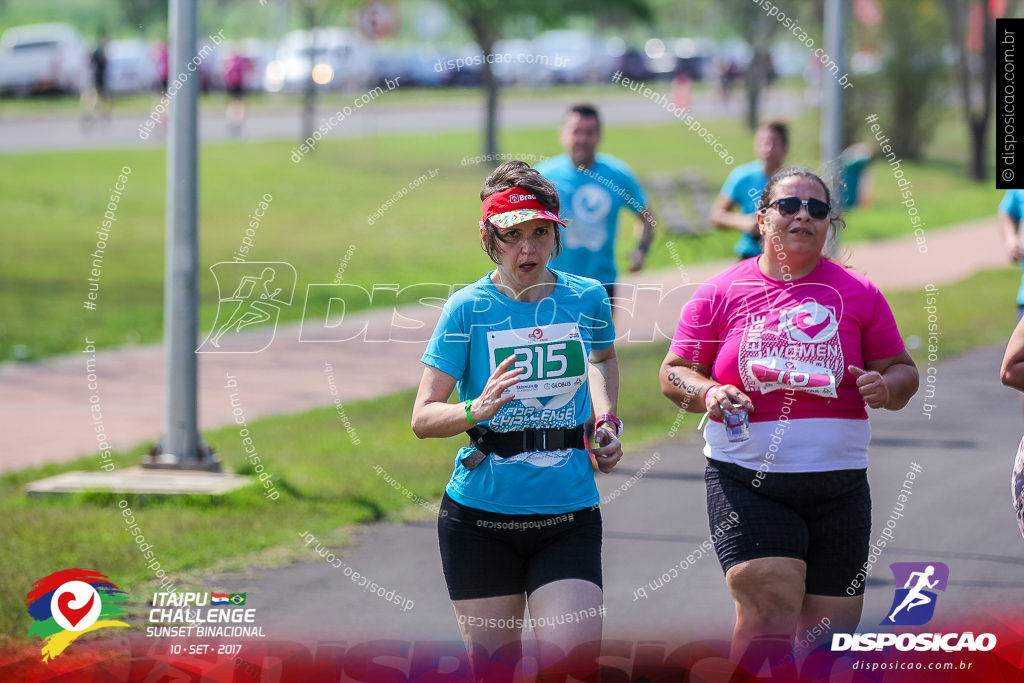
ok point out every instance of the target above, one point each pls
(530, 351)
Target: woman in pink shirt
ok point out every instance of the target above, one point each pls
(802, 344)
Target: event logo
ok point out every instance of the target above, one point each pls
(68, 603)
(810, 322)
(258, 290)
(914, 604)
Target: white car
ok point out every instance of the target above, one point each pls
(572, 57)
(130, 69)
(343, 61)
(43, 57)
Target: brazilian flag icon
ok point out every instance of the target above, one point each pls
(237, 598)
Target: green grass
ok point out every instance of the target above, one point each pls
(328, 483)
(979, 311)
(54, 203)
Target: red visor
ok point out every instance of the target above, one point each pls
(514, 206)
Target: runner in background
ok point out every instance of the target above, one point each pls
(235, 69)
(95, 98)
(592, 189)
(519, 524)
(742, 189)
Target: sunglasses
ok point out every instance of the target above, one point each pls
(790, 206)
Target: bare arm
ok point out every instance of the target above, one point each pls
(433, 416)
(723, 216)
(887, 383)
(687, 385)
(1012, 371)
(1011, 236)
(603, 377)
(646, 229)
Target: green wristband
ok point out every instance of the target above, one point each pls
(469, 402)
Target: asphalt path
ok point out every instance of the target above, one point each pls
(60, 132)
(959, 512)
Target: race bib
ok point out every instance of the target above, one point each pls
(780, 373)
(552, 356)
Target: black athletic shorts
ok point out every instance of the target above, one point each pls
(822, 518)
(487, 554)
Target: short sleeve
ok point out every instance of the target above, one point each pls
(730, 188)
(1011, 205)
(448, 348)
(697, 334)
(637, 198)
(601, 318)
(880, 337)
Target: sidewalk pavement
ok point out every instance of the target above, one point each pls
(659, 587)
(46, 405)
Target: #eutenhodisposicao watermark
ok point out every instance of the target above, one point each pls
(102, 235)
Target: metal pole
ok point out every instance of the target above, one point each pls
(181, 446)
(832, 106)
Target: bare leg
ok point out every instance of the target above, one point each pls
(568, 618)
(769, 593)
(489, 625)
(823, 615)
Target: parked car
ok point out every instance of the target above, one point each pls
(43, 57)
(343, 60)
(130, 67)
(415, 65)
(573, 57)
(633, 65)
(514, 63)
(460, 65)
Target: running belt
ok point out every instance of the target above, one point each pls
(507, 444)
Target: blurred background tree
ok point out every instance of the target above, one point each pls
(488, 19)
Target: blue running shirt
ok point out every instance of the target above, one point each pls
(552, 338)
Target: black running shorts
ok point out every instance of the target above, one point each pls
(487, 554)
(822, 518)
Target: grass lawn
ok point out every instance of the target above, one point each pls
(328, 483)
(54, 204)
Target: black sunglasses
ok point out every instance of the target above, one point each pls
(790, 206)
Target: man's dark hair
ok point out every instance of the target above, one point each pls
(586, 110)
(780, 128)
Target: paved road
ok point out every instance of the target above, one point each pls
(291, 375)
(959, 512)
(62, 132)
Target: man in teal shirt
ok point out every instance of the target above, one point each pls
(592, 188)
(742, 189)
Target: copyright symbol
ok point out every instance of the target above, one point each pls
(1007, 174)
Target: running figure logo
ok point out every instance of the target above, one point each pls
(258, 291)
(914, 604)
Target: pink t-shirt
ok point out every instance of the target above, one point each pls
(787, 345)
